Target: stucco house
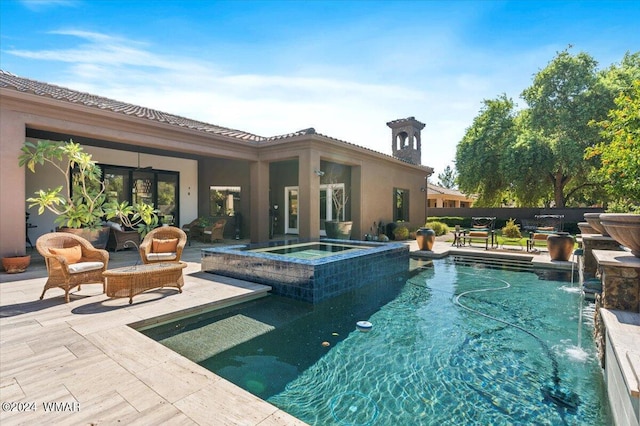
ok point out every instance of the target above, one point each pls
(189, 168)
(441, 197)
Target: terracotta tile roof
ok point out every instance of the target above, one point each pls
(11, 81)
(21, 84)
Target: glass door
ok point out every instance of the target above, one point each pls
(291, 209)
(325, 210)
(167, 198)
(143, 187)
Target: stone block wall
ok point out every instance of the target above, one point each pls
(595, 242)
(620, 291)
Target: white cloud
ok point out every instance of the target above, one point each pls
(335, 104)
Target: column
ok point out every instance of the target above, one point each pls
(259, 201)
(309, 195)
(12, 185)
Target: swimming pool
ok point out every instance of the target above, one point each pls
(450, 345)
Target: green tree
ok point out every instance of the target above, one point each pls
(619, 153)
(447, 179)
(537, 155)
(480, 154)
(562, 100)
(522, 163)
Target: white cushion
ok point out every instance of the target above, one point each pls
(207, 232)
(161, 256)
(76, 268)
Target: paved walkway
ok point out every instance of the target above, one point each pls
(85, 356)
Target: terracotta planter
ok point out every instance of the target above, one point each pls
(624, 228)
(338, 230)
(97, 237)
(16, 264)
(560, 246)
(425, 237)
(593, 219)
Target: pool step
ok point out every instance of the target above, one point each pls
(499, 262)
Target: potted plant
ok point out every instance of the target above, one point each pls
(16, 264)
(336, 228)
(80, 203)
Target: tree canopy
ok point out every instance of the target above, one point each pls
(619, 153)
(480, 154)
(536, 155)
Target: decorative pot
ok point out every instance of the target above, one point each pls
(560, 246)
(97, 237)
(624, 228)
(593, 219)
(425, 238)
(338, 230)
(16, 264)
(585, 228)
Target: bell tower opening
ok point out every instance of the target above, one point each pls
(406, 141)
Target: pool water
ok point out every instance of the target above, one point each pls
(449, 345)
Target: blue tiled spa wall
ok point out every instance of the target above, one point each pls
(310, 280)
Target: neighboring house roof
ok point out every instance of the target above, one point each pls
(435, 189)
(21, 84)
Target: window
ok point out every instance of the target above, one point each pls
(401, 204)
(224, 200)
(156, 187)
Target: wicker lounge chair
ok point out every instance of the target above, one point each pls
(192, 229)
(214, 232)
(71, 261)
(163, 244)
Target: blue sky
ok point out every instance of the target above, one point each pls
(343, 67)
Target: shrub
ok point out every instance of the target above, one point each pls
(511, 230)
(401, 232)
(438, 227)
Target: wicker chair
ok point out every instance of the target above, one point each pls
(192, 229)
(214, 232)
(163, 244)
(68, 266)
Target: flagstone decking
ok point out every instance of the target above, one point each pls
(84, 354)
